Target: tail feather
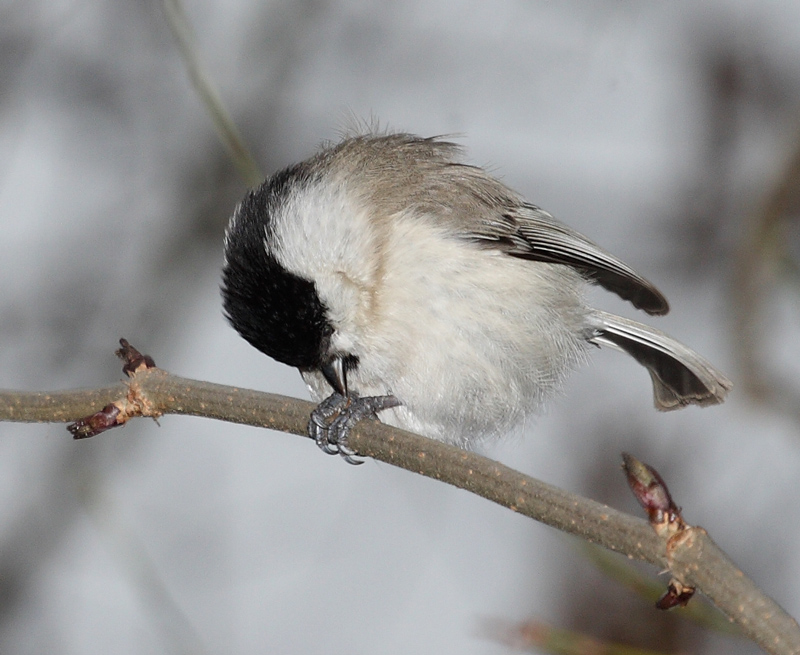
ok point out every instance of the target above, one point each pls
(680, 376)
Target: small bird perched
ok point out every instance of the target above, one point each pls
(400, 280)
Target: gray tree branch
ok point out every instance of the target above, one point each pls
(694, 559)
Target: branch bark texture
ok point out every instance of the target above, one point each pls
(694, 560)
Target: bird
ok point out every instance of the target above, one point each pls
(410, 286)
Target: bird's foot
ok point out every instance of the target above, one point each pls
(335, 416)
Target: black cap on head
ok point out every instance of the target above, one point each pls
(276, 311)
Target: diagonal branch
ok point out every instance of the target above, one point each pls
(226, 129)
(695, 561)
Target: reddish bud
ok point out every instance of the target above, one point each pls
(134, 360)
(650, 490)
(677, 595)
(94, 424)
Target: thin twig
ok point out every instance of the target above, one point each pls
(758, 261)
(699, 611)
(539, 637)
(226, 129)
(696, 560)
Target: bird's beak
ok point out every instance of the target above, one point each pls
(335, 375)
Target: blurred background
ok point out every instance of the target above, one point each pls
(667, 132)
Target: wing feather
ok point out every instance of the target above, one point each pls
(529, 232)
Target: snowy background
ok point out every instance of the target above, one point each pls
(657, 129)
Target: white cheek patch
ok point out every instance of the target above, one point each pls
(324, 235)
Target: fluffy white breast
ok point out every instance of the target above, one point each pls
(469, 339)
